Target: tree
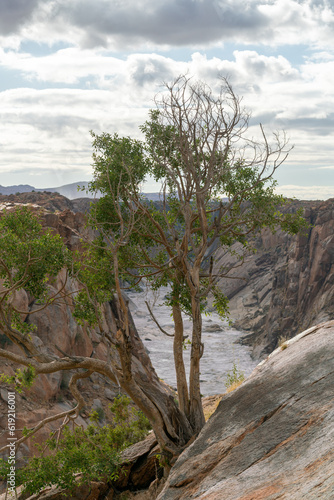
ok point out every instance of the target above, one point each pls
(217, 186)
(27, 257)
(31, 259)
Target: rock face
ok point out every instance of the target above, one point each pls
(288, 284)
(49, 394)
(272, 438)
(48, 200)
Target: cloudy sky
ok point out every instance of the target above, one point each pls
(71, 66)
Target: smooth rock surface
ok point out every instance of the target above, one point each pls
(273, 437)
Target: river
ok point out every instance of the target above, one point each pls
(221, 347)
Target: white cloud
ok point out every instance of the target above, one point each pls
(307, 192)
(65, 66)
(39, 128)
(49, 129)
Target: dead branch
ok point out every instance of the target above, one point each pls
(156, 321)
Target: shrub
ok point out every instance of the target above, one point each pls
(93, 452)
(282, 342)
(234, 378)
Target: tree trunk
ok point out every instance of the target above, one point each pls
(197, 419)
(181, 378)
(142, 384)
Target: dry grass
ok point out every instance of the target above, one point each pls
(234, 386)
(210, 404)
(282, 342)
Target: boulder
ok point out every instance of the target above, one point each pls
(272, 437)
(140, 465)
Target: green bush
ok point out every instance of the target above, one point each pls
(94, 452)
(234, 378)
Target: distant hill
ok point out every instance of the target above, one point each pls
(52, 202)
(70, 191)
(22, 188)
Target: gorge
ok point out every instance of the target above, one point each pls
(282, 289)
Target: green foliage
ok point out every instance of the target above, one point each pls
(93, 452)
(94, 268)
(120, 165)
(131, 424)
(21, 379)
(220, 302)
(29, 254)
(186, 343)
(97, 415)
(234, 377)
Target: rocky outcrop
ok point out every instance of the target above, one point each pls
(60, 333)
(272, 437)
(288, 284)
(53, 202)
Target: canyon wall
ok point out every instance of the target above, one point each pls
(287, 285)
(56, 326)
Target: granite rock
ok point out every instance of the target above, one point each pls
(272, 438)
(287, 285)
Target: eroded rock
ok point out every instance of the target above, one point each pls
(271, 438)
(288, 284)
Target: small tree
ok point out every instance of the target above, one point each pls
(216, 186)
(30, 259)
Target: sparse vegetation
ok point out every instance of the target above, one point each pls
(234, 378)
(93, 452)
(282, 342)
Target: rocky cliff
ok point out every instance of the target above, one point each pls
(272, 437)
(52, 202)
(56, 327)
(288, 284)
